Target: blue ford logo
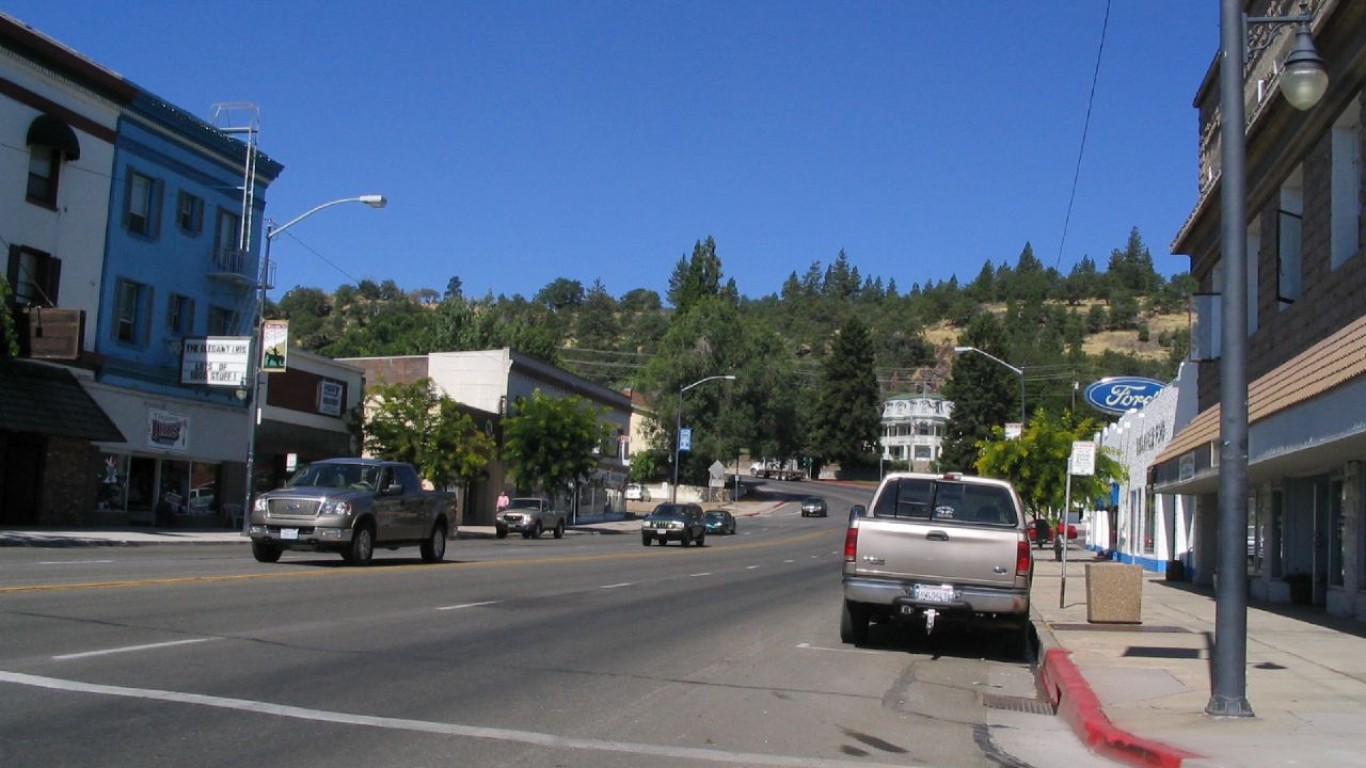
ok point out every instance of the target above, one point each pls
(1118, 394)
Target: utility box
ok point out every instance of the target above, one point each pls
(1114, 593)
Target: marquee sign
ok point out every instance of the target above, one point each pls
(1119, 394)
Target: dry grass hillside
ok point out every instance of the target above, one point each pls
(1125, 342)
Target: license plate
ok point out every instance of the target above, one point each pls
(289, 534)
(926, 594)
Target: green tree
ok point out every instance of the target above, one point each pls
(697, 278)
(551, 442)
(850, 413)
(413, 423)
(984, 393)
(9, 334)
(1037, 462)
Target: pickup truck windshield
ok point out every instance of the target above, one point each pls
(946, 501)
(333, 476)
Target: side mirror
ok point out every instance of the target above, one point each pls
(858, 510)
(393, 489)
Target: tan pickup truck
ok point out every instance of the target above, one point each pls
(936, 548)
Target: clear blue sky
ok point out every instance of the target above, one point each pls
(519, 142)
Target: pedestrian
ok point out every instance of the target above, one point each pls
(502, 500)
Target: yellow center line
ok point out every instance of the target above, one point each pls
(380, 568)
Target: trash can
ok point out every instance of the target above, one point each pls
(1114, 593)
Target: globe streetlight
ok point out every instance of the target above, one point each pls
(1303, 82)
(678, 427)
(253, 365)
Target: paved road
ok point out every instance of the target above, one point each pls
(588, 651)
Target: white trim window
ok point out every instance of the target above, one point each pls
(140, 207)
(1346, 186)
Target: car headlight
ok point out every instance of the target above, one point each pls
(260, 505)
(335, 508)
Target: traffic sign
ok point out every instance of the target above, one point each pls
(1083, 457)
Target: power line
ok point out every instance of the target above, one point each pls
(1085, 128)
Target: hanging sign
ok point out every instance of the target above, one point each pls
(274, 346)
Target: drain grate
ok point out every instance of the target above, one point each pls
(1017, 704)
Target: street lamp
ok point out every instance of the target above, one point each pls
(253, 366)
(1303, 83)
(678, 427)
(1018, 372)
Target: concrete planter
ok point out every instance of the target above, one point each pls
(1114, 593)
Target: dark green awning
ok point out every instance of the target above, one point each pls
(48, 131)
(47, 399)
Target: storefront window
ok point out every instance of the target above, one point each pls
(112, 489)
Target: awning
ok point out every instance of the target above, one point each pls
(48, 131)
(47, 399)
(1326, 372)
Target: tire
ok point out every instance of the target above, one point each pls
(687, 538)
(526, 534)
(559, 530)
(645, 540)
(854, 624)
(500, 533)
(362, 548)
(536, 532)
(265, 552)
(701, 540)
(434, 546)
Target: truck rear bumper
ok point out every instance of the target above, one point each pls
(975, 599)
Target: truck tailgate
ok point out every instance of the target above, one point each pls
(956, 553)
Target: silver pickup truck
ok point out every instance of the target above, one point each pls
(352, 506)
(938, 547)
(529, 516)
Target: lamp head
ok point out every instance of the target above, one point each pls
(1305, 78)
(961, 350)
(374, 201)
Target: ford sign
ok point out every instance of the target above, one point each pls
(1119, 394)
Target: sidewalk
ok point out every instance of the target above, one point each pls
(1137, 692)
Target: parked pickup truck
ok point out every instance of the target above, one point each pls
(352, 506)
(528, 515)
(938, 547)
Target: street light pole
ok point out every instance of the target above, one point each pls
(1018, 372)
(254, 409)
(1303, 83)
(678, 429)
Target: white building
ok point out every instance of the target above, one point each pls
(913, 427)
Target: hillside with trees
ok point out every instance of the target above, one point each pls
(831, 339)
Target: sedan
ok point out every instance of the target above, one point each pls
(813, 506)
(720, 522)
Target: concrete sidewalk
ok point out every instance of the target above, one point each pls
(1137, 692)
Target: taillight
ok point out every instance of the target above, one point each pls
(851, 545)
(1024, 558)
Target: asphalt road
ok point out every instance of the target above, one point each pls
(586, 651)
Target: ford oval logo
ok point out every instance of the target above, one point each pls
(1118, 394)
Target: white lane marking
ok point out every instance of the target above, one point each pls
(785, 561)
(616, 586)
(547, 740)
(752, 567)
(695, 575)
(71, 562)
(810, 647)
(132, 648)
(466, 605)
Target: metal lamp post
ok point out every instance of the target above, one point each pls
(1303, 83)
(1018, 372)
(678, 428)
(253, 366)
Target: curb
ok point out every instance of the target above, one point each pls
(1075, 702)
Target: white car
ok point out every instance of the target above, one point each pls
(637, 492)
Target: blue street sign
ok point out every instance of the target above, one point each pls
(685, 439)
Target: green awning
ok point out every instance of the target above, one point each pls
(48, 131)
(47, 399)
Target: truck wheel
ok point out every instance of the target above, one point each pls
(265, 552)
(854, 624)
(701, 539)
(526, 534)
(687, 538)
(501, 533)
(536, 532)
(362, 547)
(645, 540)
(434, 547)
(559, 530)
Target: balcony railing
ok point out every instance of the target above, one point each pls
(233, 265)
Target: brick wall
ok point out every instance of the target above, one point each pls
(68, 481)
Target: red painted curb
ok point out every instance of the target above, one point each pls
(1077, 704)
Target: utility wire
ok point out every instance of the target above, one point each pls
(1085, 128)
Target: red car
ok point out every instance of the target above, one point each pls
(1041, 532)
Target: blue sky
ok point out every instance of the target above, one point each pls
(520, 142)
